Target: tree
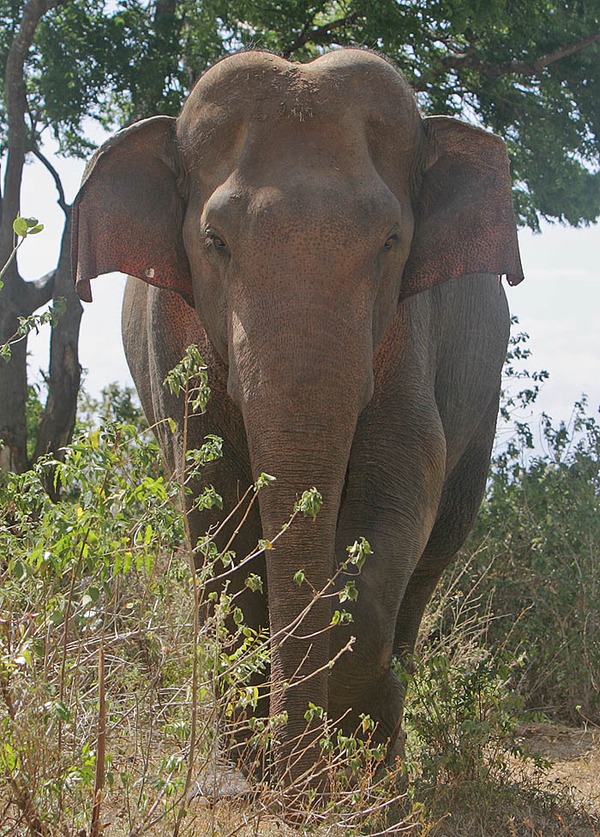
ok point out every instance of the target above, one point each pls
(530, 72)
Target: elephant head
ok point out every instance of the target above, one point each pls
(296, 206)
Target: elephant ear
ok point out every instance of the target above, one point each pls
(128, 213)
(464, 220)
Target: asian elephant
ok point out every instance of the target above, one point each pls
(337, 258)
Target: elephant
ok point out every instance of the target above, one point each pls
(338, 260)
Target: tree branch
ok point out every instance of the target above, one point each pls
(470, 60)
(55, 176)
(40, 292)
(16, 105)
(319, 33)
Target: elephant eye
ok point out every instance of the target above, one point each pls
(214, 240)
(390, 242)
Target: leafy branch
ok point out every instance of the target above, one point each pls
(22, 227)
(319, 34)
(470, 60)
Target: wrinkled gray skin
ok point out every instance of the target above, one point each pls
(343, 257)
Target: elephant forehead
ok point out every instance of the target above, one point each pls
(348, 88)
(266, 84)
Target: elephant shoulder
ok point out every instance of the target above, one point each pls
(471, 316)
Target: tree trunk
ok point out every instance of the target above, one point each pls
(21, 299)
(13, 374)
(56, 427)
(13, 379)
(17, 299)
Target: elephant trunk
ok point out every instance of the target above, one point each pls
(300, 413)
(300, 644)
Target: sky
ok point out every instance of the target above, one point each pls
(558, 304)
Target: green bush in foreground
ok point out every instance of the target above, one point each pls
(76, 576)
(114, 697)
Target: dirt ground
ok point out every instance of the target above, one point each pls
(575, 760)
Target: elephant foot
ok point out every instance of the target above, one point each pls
(383, 704)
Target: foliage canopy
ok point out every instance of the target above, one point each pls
(528, 71)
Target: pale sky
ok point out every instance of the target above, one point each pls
(558, 304)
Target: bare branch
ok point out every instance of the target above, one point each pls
(55, 176)
(471, 60)
(40, 292)
(555, 56)
(319, 34)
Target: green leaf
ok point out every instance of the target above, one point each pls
(208, 499)
(263, 480)
(26, 226)
(255, 583)
(20, 227)
(313, 712)
(349, 592)
(358, 552)
(366, 722)
(94, 593)
(18, 569)
(341, 617)
(309, 503)
(61, 711)
(9, 758)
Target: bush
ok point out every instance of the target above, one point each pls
(78, 578)
(534, 555)
(538, 539)
(108, 681)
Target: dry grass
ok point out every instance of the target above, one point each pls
(562, 801)
(148, 648)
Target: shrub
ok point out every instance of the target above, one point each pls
(462, 710)
(115, 699)
(535, 552)
(538, 539)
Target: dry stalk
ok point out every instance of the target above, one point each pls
(95, 827)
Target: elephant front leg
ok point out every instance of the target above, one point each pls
(395, 512)
(463, 492)
(362, 681)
